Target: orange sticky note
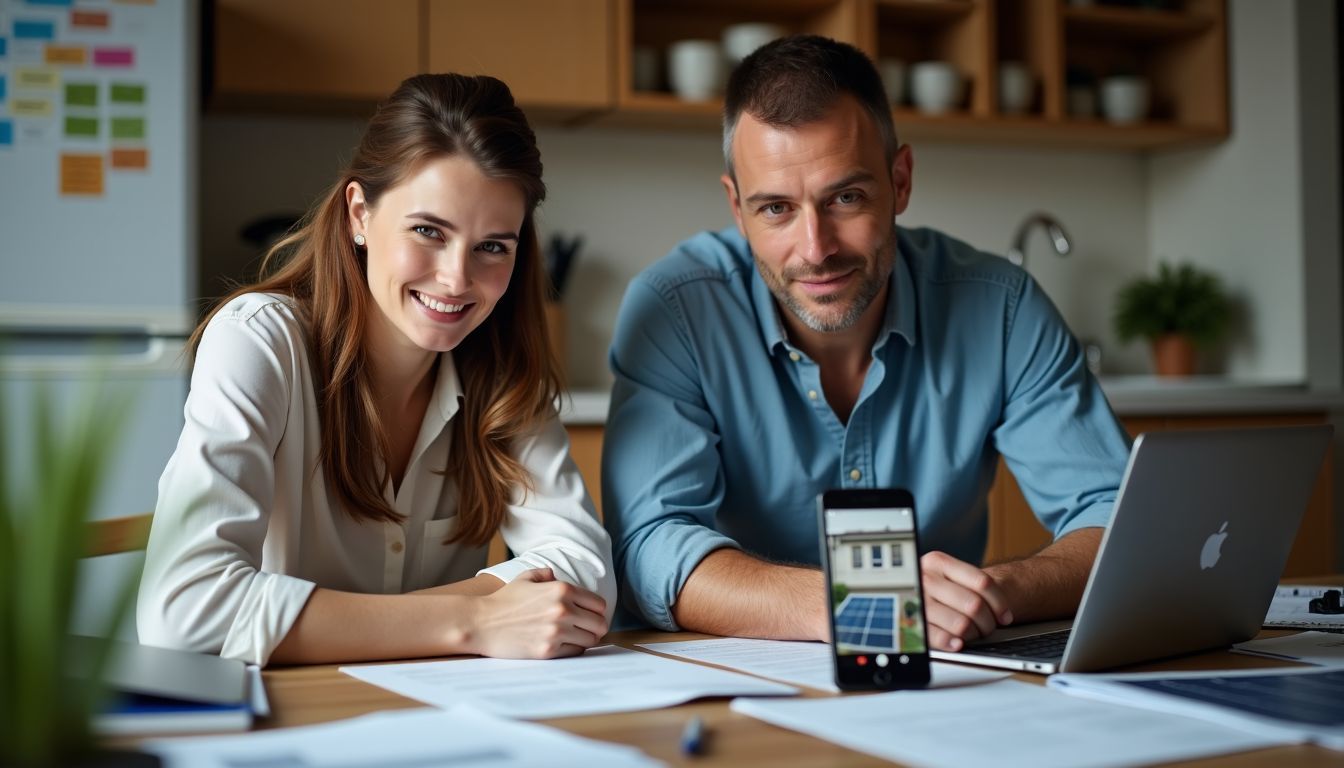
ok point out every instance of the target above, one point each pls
(89, 19)
(81, 174)
(130, 159)
(68, 55)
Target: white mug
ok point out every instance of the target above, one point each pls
(740, 40)
(893, 79)
(936, 86)
(1015, 87)
(695, 69)
(1124, 99)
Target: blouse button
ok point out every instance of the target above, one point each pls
(397, 546)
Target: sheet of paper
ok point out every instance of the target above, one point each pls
(1324, 649)
(1289, 610)
(798, 663)
(1004, 724)
(416, 738)
(606, 679)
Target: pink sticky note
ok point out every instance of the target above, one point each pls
(114, 57)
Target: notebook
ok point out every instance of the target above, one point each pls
(1197, 541)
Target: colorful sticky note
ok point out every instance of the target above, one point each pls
(6, 133)
(81, 94)
(81, 174)
(114, 57)
(90, 19)
(67, 55)
(29, 107)
(29, 29)
(2, 90)
(81, 127)
(3, 46)
(128, 93)
(35, 79)
(130, 159)
(128, 127)
(53, 3)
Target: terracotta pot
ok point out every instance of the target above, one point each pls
(1173, 355)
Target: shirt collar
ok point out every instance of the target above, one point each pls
(446, 400)
(899, 317)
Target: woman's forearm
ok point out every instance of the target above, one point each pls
(345, 626)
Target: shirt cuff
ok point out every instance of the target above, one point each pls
(689, 552)
(508, 570)
(268, 611)
(1095, 516)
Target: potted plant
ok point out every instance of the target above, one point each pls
(1181, 309)
(49, 690)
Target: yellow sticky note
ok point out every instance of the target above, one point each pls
(81, 174)
(30, 107)
(36, 78)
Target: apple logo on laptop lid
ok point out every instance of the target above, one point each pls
(1213, 548)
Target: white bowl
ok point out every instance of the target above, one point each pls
(695, 69)
(740, 40)
(1124, 99)
(1016, 85)
(936, 86)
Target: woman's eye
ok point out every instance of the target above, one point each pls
(426, 231)
(494, 247)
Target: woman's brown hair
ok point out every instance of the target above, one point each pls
(510, 378)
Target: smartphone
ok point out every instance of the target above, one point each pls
(870, 553)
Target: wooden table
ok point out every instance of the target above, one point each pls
(306, 695)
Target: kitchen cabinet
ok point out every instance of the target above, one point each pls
(343, 55)
(571, 61)
(1014, 531)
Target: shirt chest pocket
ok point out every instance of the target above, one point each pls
(442, 563)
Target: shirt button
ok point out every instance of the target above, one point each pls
(855, 474)
(397, 546)
(811, 394)
(795, 357)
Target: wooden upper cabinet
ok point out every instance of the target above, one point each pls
(553, 54)
(356, 50)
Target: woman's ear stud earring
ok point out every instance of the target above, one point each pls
(359, 240)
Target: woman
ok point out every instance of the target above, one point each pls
(362, 421)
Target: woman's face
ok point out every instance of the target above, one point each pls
(441, 246)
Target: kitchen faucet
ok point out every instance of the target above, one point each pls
(1017, 254)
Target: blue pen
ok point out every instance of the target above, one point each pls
(693, 736)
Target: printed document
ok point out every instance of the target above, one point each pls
(1324, 649)
(1290, 609)
(409, 738)
(1006, 724)
(798, 663)
(606, 679)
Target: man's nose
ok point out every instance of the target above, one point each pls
(819, 241)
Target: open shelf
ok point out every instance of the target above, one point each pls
(1135, 24)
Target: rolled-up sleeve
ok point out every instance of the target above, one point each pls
(554, 525)
(1058, 435)
(203, 588)
(662, 480)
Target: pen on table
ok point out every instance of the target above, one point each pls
(693, 736)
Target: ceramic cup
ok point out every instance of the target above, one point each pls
(1015, 87)
(740, 40)
(1124, 99)
(695, 69)
(893, 80)
(647, 69)
(936, 86)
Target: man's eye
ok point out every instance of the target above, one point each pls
(775, 209)
(847, 198)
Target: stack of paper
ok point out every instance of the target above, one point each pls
(606, 679)
(407, 739)
(1291, 609)
(1003, 724)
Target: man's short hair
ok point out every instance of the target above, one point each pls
(794, 80)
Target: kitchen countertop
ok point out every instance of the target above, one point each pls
(1129, 396)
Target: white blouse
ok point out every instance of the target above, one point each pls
(246, 525)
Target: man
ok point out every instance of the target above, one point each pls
(819, 346)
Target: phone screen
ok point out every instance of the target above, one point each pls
(871, 552)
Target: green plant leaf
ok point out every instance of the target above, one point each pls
(1183, 300)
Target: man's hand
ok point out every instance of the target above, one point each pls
(961, 602)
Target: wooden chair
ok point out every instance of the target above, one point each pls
(118, 534)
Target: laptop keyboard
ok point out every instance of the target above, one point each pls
(1049, 646)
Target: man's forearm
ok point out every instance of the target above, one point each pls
(733, 594)
(1049, 584)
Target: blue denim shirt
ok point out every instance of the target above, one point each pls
(719, 434)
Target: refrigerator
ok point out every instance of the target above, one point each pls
(98, 124)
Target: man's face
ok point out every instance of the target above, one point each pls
(818, 204)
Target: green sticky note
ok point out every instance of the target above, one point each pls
(81, 94)
(128, 127)
(128, 93)
(82, 127)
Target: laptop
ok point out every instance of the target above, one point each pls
(1197, 541)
